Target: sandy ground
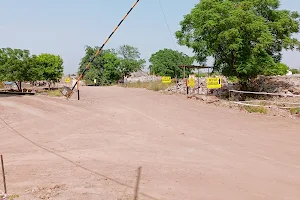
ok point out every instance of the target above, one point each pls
(91, 149)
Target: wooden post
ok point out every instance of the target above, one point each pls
(198, 81)
(176, 79)
(206, 84)
(137, 184)
(3, 173)
(78, 96)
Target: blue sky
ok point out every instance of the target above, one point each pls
(64, 27)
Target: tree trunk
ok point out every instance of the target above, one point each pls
(19, 85)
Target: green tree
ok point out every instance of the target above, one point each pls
(51, 67)
(105, 68)
(245, 37)
(17, 65)
(130, 59)
(295, 71)
(277, 69)
(166, 62)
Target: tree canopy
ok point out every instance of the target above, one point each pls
(110, 65)
(18, 65)
(51, 65)
(245, 37)
(295, 71)
(130, 59)
(166, 62)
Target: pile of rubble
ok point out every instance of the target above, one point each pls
(141, 76)
(200, 88)
(277, 84)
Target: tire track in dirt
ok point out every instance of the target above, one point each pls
(68, 160)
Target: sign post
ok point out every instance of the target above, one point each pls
(192, 81)
(166, 79)
(78, 92)
(95, 81)
(214, 83)
(67, 80)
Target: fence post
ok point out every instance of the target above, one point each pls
(3, 173)
(137, 184)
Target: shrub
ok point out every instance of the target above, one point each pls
(233, 79)
(54, 93)
(295, 111)
(153, 85)
(256, 109)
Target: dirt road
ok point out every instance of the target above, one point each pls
(91, 149)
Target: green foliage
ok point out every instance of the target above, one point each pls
(54, 93)
(295, 111)
(245, 37)
(104, 68)
(166, 62)
(256, 109)
(295, 71)
(18, 65)
(51, 66)
(130, 59)
(110, 65)
(233, 79)
(201, 74)
(152, 85)
(277, 69)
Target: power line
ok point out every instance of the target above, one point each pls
(161, 7)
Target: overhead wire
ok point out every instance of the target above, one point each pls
(164, 15)
(170, 32)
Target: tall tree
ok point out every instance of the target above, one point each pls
(105, 68)
(17, 65)
(166, 62)
(130, 59)
(52, 67)
(110, 65)
(245, 37)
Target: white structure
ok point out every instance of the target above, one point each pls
(289, 73)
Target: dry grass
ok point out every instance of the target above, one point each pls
(295, 111)
(256, 109)
(1, 85)
(153, 85)
(10, 197)
(54, 93)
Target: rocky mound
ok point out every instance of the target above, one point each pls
(200, 88)
(141, 76)
(277, 84)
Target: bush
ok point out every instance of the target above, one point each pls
(233, 79)
(201, 75)
(256, 109)
(295, 111)
(153, 85)
(295, 71)
(54, 93)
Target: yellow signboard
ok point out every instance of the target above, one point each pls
(192, 82)
(214, 83)
(68, 80)
(166, 79)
